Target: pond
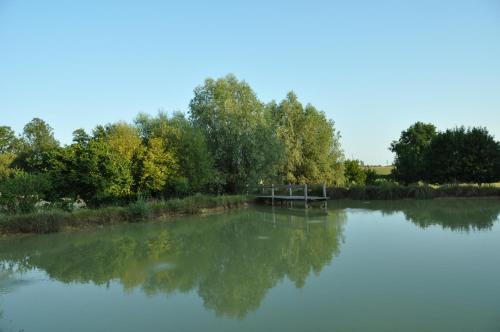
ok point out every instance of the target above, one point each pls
(357, 266)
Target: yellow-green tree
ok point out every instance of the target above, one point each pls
(154, 167)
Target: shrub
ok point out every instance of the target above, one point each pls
(21, 193)
(138, 210)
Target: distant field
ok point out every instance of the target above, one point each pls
(386, 170)
(381, 170)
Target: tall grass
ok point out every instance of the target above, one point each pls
(55, 220)
(390, 190)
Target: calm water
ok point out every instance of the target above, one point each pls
(362, 266)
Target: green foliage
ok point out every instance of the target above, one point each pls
(6, 169)
(20, 194)
(9, 143)
(191, 163)
(410, 150)
(37, 141)
(354, 172)
(230, 142)
(106, 172)
(460, 155)
(93, 169)
(312, 151)
(456, 155)
(241, 141)
(154, 167)
(372, 177)
(196, 165)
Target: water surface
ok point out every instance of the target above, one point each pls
(360, 266)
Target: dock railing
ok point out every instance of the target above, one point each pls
(288, 190)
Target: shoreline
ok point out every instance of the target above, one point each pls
(390, 191)
(54, 221)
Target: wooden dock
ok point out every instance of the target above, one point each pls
(290, 198)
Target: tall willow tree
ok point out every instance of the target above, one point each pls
(312, 147)
(241, 141)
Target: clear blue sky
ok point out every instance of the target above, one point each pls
(374, 67)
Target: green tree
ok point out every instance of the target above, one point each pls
(463, 155)
(110, 155)
(241, 141)
(9, 143)
(9, 147)
(410, 150)
(195, 162)
(120, 137)
(97, 168)
(154, 167)
(371, 176)
(187, 144)
(311, 144)
(37, 140)
(20, 193)
(354, 172)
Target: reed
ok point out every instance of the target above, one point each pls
(387, 191)
(51, 221)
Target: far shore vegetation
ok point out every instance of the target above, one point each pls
(227, 144)
(53, 220)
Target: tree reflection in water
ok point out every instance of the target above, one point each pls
(457, 214)
(230, 260)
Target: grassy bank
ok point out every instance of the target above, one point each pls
(395, 191)
(52, 221)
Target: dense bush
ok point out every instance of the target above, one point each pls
(410, 150)
(21, 193)
(460, 155)
(354, 172)
(456, 155)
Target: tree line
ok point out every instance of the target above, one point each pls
(457, 155)
(229, 140)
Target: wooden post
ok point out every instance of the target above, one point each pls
(274, 217)
(305, 194)
(289, 189)
(324, 190)
(272, 194)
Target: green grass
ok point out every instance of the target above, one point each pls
(56, 220)
(381, 170)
